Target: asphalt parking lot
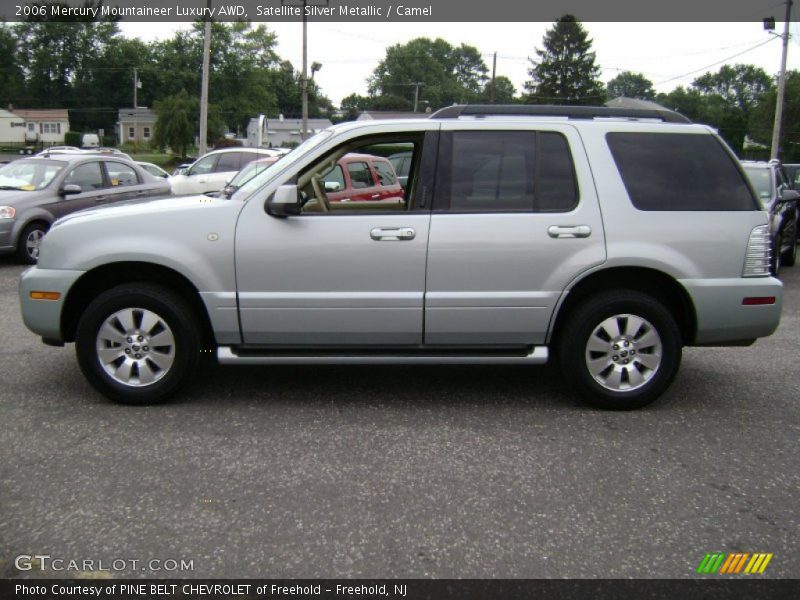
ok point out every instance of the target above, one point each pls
(399, 471)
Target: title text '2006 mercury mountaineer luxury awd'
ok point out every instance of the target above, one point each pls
(608, 239)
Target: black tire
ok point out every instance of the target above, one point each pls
(789, 257)
(23, 254)
(585, 322)
(777, 259)
(177, 318)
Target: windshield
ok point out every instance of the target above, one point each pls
(29, 175)
(762, 182)
(285, 162)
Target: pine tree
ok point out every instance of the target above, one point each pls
(566, 72)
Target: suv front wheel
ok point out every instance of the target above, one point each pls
(138, 343)
(620, 350)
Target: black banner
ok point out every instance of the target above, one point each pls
(402, 589)
(398, 11)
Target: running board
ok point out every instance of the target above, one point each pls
(227, 355)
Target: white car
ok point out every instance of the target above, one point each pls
(212, 171)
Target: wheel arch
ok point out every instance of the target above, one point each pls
(106, 276)
(650, 281)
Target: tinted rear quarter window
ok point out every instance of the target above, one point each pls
(679, 172)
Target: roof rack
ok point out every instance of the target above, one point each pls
(548, 110)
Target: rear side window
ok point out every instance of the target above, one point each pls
(679, 171)
(505, 171)
(229, 161)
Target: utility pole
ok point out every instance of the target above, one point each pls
(202, 144)
(304, 76)
(776, 129)
(492, 95)
(135, 85)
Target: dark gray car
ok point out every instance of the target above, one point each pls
(36, 191)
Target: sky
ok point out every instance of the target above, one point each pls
(669, 54)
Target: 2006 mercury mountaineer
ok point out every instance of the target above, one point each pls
(607, 238)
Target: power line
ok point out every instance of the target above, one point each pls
(714, 64)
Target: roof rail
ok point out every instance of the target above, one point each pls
(548, 110)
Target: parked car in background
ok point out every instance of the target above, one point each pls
(36, 191)
(401, 161)
(90, 140)
(360, 178)
(792, 171)
(780, 202)
(153, 169)
(212, 171)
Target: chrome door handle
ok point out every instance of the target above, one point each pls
(569, 231)
(397, 234)
(375, 196)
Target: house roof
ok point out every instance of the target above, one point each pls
(296, 124)
(4, 114)
(140, 113)
(42, 114)
(368, 115)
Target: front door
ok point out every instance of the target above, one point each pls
(340, 274)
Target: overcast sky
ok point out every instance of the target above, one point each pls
(669, 54)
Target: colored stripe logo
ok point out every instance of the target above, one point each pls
(734, 563)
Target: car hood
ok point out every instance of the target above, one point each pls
(15, 197)
(156, 207)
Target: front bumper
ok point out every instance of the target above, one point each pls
(721, 316)
(43, 317)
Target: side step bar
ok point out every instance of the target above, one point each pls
(227, 355)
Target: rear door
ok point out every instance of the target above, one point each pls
(90, 178)
(515, 218)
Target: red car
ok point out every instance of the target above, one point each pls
(363, 177)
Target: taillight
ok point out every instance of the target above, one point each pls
(759, 253)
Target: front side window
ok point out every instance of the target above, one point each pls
(679, 172)
(343, 181)
(505, 171)
(88, 176)
(360, 176)
(204, 165)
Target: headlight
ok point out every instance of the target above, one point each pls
(7, 212)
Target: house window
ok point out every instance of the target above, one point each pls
(131, 133)
(146, 133)
(51, 128)
(32, 127)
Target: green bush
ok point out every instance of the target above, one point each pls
(72, 138)
(226, 143)
(109, 141)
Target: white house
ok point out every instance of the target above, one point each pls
(44, 125)
(12, 128)
(274, 133)
(136, 124)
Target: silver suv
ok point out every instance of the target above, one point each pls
(605, 238)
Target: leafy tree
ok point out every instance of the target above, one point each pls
(442, 73)
(12, 79)
(762, 118)
(566, 72)
(178, 121)
(740, 86)
(631, 85)
(504, 91)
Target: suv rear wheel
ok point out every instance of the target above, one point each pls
(138, 343)
(620, 350)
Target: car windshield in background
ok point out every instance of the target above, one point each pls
(250, 171)
(762, 182)
(29, 175)
(300, 151)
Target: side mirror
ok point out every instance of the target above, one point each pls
(332, 186)
(70, 189)
(284, 202)
(790, 195)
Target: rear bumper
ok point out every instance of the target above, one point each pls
(721, 316)
(43, 317)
